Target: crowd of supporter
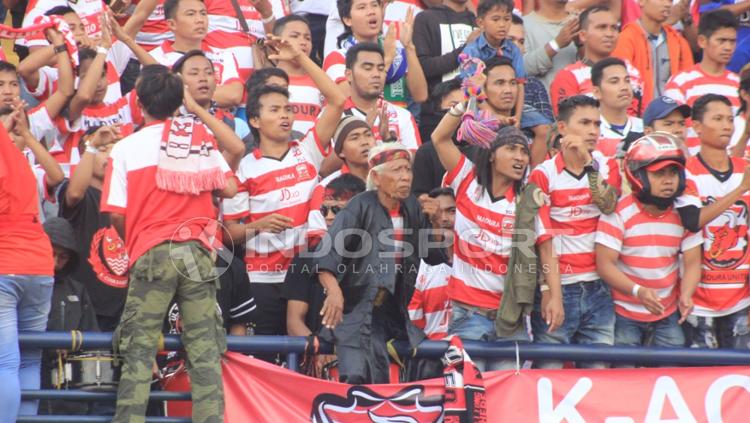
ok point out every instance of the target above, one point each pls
(363, 171)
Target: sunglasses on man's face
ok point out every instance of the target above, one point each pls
(334, 209)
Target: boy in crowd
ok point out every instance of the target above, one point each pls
(270, 213)
(717, 38)
(614, 91)
(582, 184)
(651, 300)
(103, 267)
(494, 19)
(720, 317)
(654, 48)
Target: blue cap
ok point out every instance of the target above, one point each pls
(661, 107)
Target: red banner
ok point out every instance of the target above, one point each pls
(259, 392)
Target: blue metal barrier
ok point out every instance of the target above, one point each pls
(293, 346)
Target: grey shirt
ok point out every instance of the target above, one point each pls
(661, 64)
(539, 32)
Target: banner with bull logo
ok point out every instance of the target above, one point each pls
(260, 392)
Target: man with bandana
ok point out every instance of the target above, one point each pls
(368, 268)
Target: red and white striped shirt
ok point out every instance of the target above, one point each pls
(89, 11)
(610, 137)
(284, 186)
(723, 288)
(155, 30)
(575, 79)
(400, 123)
(688, 86)
(649, 248)
(152, 215)
(483, 238)
(225, 64)
(225, 32)
(430, 307)
(306, 101)
(572, 213)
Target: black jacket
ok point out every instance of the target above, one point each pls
(362, 274)
(71, 307)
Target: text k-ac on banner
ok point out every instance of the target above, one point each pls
(259, 392)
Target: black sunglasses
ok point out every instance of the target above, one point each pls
(324, 210)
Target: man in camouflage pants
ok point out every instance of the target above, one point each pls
(167, 232)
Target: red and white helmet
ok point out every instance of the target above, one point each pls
(651, 153)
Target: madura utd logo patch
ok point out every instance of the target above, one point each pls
(109, 258)
(363, 405)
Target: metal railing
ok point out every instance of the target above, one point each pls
(294, 346)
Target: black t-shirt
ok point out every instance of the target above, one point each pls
(301, 284)
(428, 171)
(87, 221)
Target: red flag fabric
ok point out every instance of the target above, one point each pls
(40, 24)
(256, 391)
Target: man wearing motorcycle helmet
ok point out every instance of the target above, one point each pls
(639, 244)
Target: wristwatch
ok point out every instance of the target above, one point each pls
(60, 49)
(592, 166)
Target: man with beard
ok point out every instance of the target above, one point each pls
(367, 293)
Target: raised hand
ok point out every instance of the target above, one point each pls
(407, 29)
(281, 49)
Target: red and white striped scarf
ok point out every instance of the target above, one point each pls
(40, 24)
(465, 399)
(188, 162)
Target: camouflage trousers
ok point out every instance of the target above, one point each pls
(183, 272)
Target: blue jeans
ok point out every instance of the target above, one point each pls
(468, 325)
(730, 331)
(661, 333)
(589, 319)
(24, 305)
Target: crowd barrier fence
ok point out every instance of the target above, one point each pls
(293, 347)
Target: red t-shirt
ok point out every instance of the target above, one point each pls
(24, 247)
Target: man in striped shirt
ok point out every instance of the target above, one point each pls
(270, 213)
(717, 37)
(599, 32)
(486, 195)
(722, 299)
(582, 185)
(612, 88)
(638, 248)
